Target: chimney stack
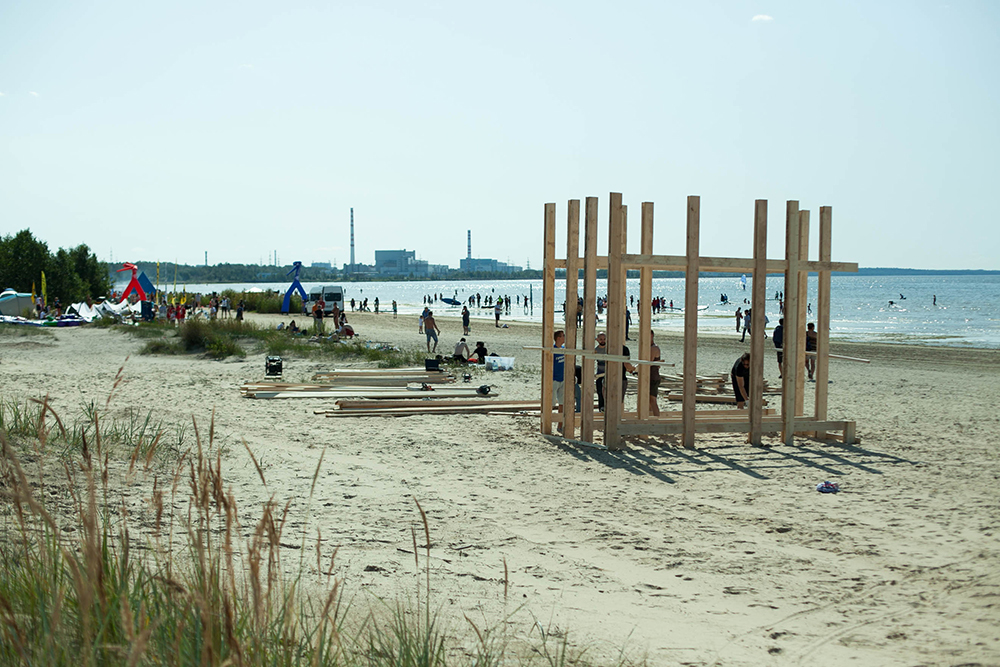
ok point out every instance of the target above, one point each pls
(469, 256)
(352, 240)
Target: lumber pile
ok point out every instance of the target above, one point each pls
(382, 377)
(411, 391)
(711, 388)
(347, 408)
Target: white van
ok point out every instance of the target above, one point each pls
(331, 294)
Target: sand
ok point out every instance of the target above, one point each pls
(724, 555)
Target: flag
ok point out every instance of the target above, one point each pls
(44, 299)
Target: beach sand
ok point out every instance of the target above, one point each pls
(723, 555)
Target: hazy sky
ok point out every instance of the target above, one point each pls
(162, 130)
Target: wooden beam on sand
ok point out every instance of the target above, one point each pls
(570, 309)
(615, 316)
(691, 269)
(757, 317)
(587, 384)
(548, 314)
(347, 404)
(644, 310)
(549, 351)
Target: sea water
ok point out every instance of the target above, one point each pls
(967, 312)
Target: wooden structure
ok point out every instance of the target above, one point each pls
(756, 420)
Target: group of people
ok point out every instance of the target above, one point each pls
(740, 374)
(601, 361)
(339, 317)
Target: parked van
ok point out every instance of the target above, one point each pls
(331, 294)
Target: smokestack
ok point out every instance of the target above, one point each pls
(352, 240)
(469, 256)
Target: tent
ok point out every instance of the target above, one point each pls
(13, 303)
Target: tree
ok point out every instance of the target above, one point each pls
(72, 275)
(22, 260)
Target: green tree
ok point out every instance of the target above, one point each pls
(22, 260)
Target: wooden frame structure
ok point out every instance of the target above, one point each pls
(756, 420)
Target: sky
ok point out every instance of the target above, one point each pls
(162, 131)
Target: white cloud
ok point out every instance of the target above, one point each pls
(33, 93)
(762, 17)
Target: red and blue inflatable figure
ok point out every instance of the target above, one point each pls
(133, 285)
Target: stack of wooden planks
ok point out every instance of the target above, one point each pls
(413, 391)
(428, 406)
(711, 388)
(382, 377)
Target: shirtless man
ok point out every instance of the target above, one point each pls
(432, 331)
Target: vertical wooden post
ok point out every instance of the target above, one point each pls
(691, 318)
(789, 386)
(572, 281)
(589, 317)
(643, 311)
(615, 318)
(823, 317)
(758, 307)
(803, 278)
(548, 314)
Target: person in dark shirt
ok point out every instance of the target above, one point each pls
(480, 352)
(778, 337)
(741, 380)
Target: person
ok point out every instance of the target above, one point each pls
(395, 309)
(480, 352)
(809, 309)
(461, 351)
(293, 327)
(739, 318)
(746, 324)
(934, 302)
(602, 348)
(240, 307)
(423, 315)
(497, 309)
(181, 314)
(558, 370)
(318, 314)
(465, 320)
(336, 314)
(778, 337)
(654, 377)
(740, 376)
(431, 330)
(811, 338)
(628, 322)
(352, 305)
(376, 305)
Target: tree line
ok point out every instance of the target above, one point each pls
(71, 275)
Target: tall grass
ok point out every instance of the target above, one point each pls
(90, 577)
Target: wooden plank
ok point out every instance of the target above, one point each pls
(706, 398)
(823, 317)
(615, 317)
(334, 395)
(842, 357)
(588, 387)
(716, 264)
(570, 310)
(803, 293)
(644, 313)
(791, 342)
(675, 415)
(347, 404)
(691, 317)
(580, 352)
(548, 313)
(650, 427)
(757, 317)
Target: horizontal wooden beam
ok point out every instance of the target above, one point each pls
(724, 425)
(715, 264)
(593, 355)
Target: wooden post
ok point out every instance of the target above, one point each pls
(615, 317)
(572, 280)
(791, 342)
(589, 317)
(548, 314)
(803, 279)
(823, 317)
(691, 318)
(643, 311)
(758, 306)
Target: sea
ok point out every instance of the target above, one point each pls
(966, 312)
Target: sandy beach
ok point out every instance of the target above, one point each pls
(723, 555)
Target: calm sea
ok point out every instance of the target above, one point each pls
(967, 313)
